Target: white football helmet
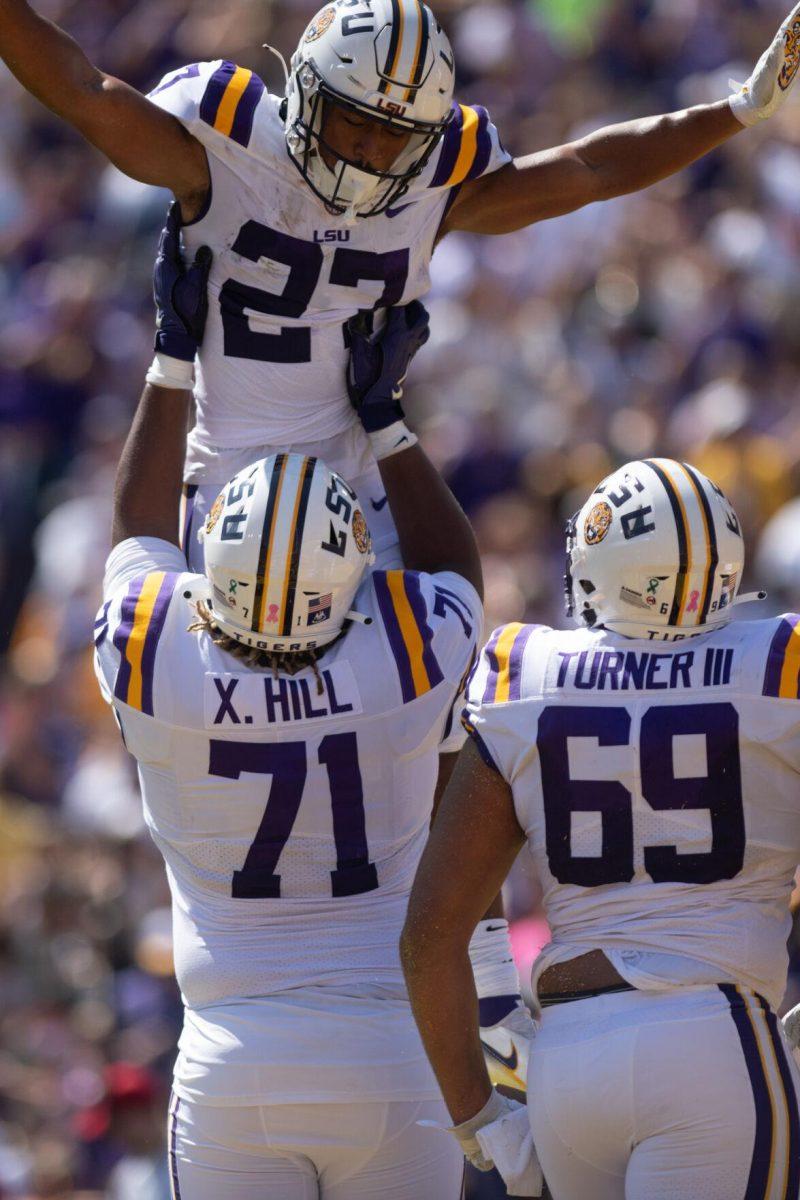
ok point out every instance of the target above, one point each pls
(285, 547)
(384, 59)
(655, 552)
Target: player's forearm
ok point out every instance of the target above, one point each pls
(445, 1004)
(44, 59)
(624, 158)
(149, 476)
(433, 532)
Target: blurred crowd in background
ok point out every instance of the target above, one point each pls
(660, 323)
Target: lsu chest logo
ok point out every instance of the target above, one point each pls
(791, 55)
(597, 523)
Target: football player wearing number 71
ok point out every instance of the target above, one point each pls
(331, 199)
(288, 774)
(650, 760)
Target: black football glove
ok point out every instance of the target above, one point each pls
(379, 362)
(180, 292)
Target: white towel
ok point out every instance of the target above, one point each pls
(508, 1142)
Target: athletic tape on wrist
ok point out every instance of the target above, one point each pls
(168, 372)
(493, 965)
(393, 439)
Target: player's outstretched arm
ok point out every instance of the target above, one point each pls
(150, 471)
(433, 532)
(138, 137)
(627, 157)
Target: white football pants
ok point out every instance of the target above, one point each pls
(374, 1151)
(690, 1094)
(348, 453)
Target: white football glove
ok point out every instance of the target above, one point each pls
(500, 1136)
(768, 86)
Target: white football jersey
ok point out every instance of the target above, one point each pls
(657, 784)
(287, 274)
(291, 816)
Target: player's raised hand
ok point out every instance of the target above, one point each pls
(379, 362)
(768, 86)
(180, 293)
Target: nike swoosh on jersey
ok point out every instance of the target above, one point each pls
(378, 504)
(508, 1060)
(395, 212)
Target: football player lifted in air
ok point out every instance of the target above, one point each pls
(330, 200)
(287, 768)
(650, 760)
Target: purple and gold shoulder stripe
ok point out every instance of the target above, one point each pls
(405, 619)
(504, 653)
(142, 616)
(230, 100)
(466, 148)
(782, 673)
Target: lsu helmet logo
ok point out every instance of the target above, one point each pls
(791, 56)
(597, 523)
(216, 512)
(320, 25)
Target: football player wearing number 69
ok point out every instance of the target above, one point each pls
(288, 774)
(650, 760)
(331, 199)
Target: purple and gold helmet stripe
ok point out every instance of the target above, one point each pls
(421, 52)
(296, 543)
(267, 542)
(402, 608)
(712, 551)
(143, 613)
(682, 530)
(466, 147)
(408, 49)
(774, 1165)
(230, 100)
(782, 672)
(395, 45)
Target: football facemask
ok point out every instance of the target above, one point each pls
(285, 547)
(655, 552)
(389, 62)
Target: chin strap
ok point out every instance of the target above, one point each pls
(748, 597)
(281, 59)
